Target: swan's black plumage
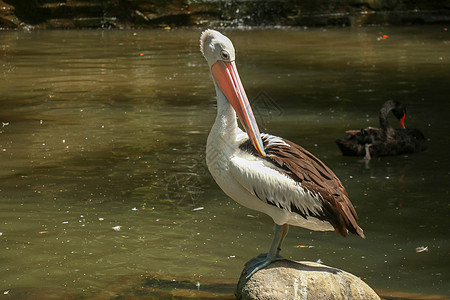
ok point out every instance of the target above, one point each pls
(384, 141)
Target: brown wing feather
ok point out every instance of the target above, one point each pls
(314, 175)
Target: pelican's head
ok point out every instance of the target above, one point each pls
(215, 46)
(219, 53)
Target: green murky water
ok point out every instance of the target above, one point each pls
(102, 155)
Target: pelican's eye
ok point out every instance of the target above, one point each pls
(225, 55)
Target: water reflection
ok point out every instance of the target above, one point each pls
(107, 129)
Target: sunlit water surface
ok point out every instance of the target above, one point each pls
(102, 155)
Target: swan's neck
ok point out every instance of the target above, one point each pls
(384, 123)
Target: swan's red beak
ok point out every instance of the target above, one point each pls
(402, 121)
(227, 78)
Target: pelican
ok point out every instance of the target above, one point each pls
(263, 172)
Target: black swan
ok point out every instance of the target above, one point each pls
(386, 140)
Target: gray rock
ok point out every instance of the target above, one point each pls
(286, 279)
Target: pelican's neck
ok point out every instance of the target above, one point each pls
(221, 143)
(225, 126)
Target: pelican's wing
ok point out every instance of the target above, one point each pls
(292, 178)
(274, 187)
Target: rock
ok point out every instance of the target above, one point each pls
(286, 279)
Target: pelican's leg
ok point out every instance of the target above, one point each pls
(285, 230)
(266, 259)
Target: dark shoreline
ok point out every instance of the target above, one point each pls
(133, 14)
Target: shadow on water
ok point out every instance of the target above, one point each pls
(105, 194)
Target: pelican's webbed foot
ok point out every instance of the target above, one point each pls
(265, 259)
(257, 263)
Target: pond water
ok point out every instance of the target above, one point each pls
(102, 156)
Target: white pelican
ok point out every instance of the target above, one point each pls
(264, 172)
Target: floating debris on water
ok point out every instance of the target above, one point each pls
(422, 249)
(117, 228)
(198, 208)
(382, 37)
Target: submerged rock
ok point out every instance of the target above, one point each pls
(286, 279)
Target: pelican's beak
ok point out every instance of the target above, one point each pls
(402, 121)
(227, 78)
